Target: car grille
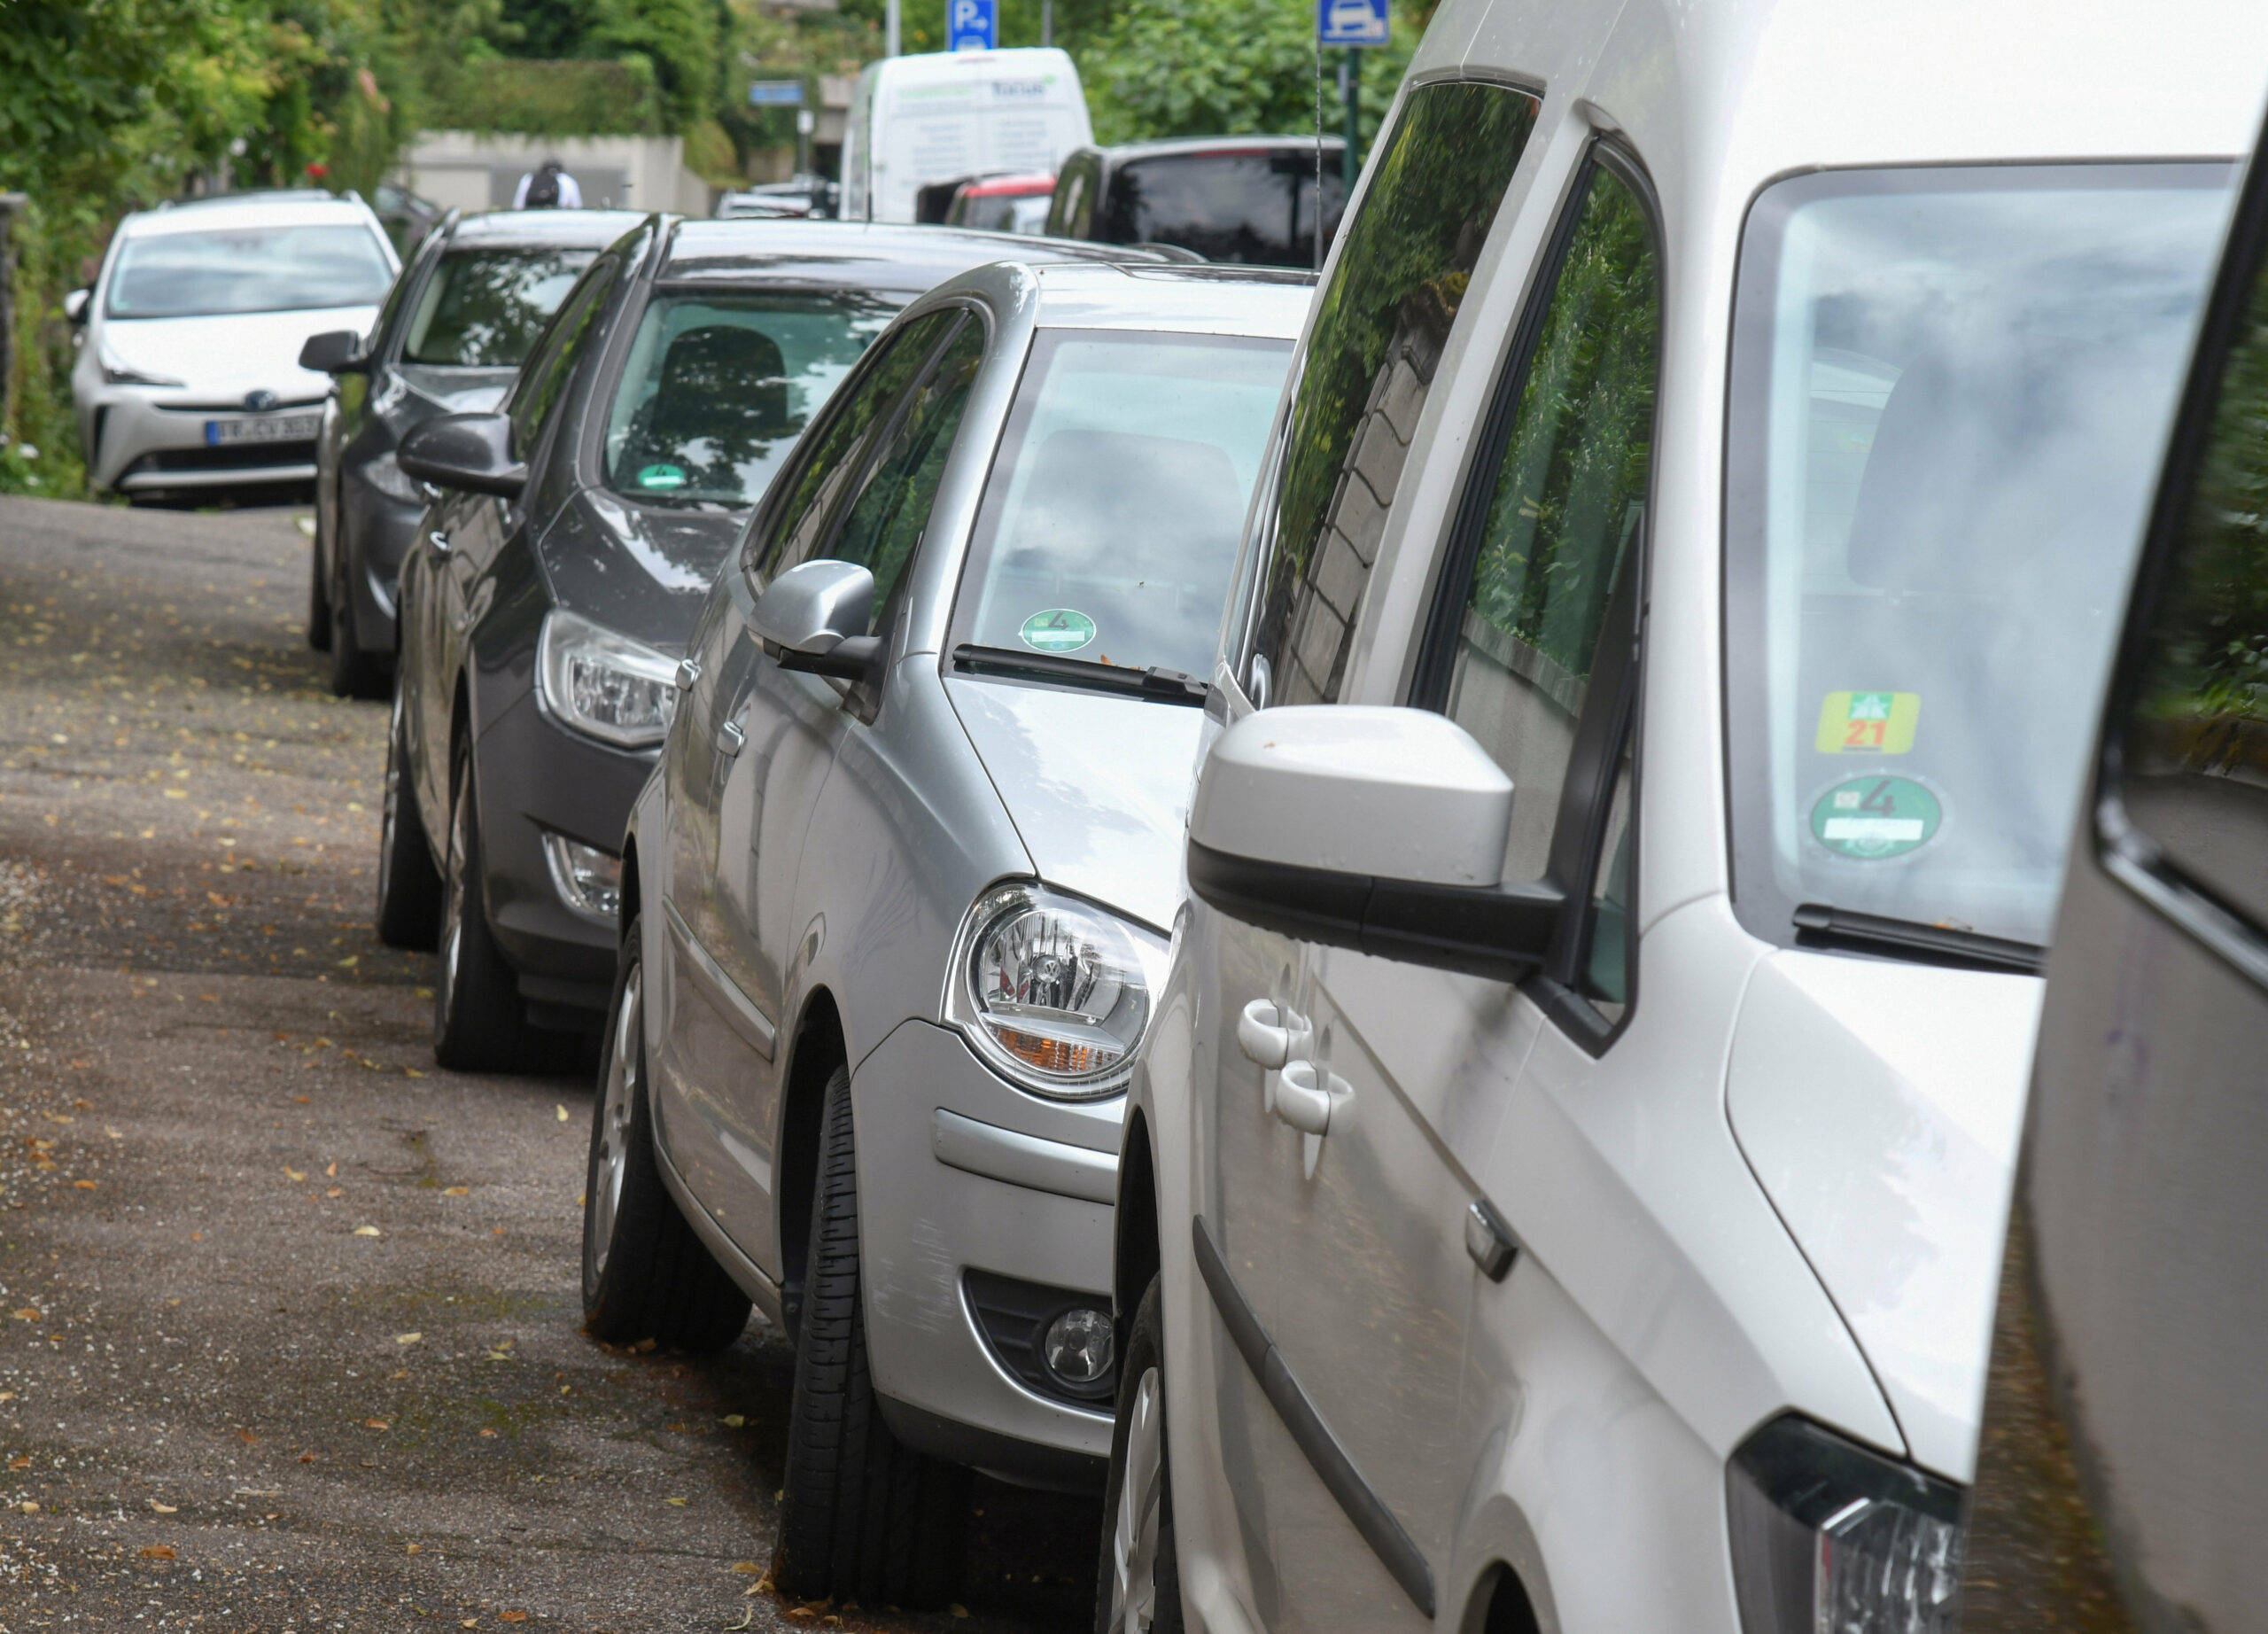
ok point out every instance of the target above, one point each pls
(238, 457)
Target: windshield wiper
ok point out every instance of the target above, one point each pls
(1159, 686)
(1819, 925)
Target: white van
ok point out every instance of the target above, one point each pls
(947, 114)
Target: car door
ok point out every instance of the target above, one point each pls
(1531, 645)
(1289, 1235)
(741, 782)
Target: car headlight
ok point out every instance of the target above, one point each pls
(1054, 992)
(387, 477)
(1829, 1538)
(115, 373)
(602, 682)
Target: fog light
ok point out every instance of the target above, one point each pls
(1079, 1346)
(588, 879)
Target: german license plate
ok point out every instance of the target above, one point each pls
(269, 428)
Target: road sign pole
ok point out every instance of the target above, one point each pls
(1350, 80)
(1047, 22)
(891, 32)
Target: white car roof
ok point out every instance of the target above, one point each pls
(223, 215)
(1191, 299)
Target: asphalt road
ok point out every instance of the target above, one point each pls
(288, 1315)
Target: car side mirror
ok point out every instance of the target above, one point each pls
(469, 451)
(75, 306)
(335, 351)
(1378, 830)
(813, 618)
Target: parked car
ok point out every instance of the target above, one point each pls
(405, 216)
(1002, 203)
(547, 597)
(2120, 1482)
(449, 341)
(938, 115)
(187, 377)
(1564, 1183)
(897, 898)
(1227, 199)
(773, 200)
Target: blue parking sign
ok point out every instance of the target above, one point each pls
(972, 25)
(1349, 22)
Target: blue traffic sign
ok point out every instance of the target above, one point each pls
(972, 25)
(1349, 22)
(776, 94)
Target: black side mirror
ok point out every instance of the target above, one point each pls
(335, 351)
(469, 451)
(74, 306)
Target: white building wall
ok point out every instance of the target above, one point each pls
(473, 172)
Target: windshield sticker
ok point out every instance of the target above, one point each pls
(1059, 629)
(1868, 723)
(1873, 818)
(661, 476)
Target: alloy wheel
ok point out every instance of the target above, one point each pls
(390, 806)
(624, 1069)
(454, 886)
(1141, 1496)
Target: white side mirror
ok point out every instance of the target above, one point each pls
(75, 306)
(814, 616)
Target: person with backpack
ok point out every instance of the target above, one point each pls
(549, 188)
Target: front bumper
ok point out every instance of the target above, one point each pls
(377, 532)
(146, 442)
(533, 774)
(935, 1202)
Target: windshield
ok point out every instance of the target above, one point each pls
(198, 275)
(718, 385)
(1257, 207)
(1951, 390)
(483, 308)
(1111, 518)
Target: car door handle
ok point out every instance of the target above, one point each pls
(440, 539)
(1268, 1033)
(688, 674)
(729, 739)
(1305, 1104)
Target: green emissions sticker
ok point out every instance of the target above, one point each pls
(1872, 818)
(661, 476)
(1059, 629)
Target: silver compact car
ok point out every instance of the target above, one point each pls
(895, 901)
(188, 376)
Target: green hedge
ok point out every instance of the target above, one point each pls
(571, 98)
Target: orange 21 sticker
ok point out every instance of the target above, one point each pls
(1868, 723)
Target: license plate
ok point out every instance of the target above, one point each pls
(271, 428)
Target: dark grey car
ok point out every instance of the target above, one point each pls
(451, 336)
(2122, 1482)
(1246, 199)
(549, 596)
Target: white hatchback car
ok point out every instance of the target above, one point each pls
(1563, 1183)
(188, 374)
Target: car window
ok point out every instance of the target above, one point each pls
(1109, 524)
(1379, 326)
(383, 324)
(1552, 524)
(2193, 747)
(885, 521)
(1256, 206)
(192, 275)
(1950, 392)
(718, 385)
(547, 373)
(835, 463)
(484, 307)
(1071, 211)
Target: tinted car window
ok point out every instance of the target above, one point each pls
(1950, 394)
(718, 385)
(2193, 747)
(1378, 333)
(483, 308)
(1256, 206)
(571, 333)
(195, 274)
(1109, 526)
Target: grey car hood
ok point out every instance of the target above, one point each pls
(642, 570)
(1097, 786)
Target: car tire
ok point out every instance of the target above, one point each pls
(478, 1022)
(318, 588)
(1138, 1583)
(864, 1517)
(646, 1275)
(355, 672)
(410, 887)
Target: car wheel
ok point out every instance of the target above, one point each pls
(478, 1022)
(645, 1274)
(1138, 1587)
(318, 588)
(409, 889)
(354, 674)
(864, 1517)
